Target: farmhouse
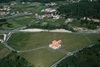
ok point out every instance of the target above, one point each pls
(48, 10)
(55, 44)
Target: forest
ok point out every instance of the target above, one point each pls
(51, 26)
(13, 60)
(42, 1)
(85, 24)
(88, 57)
(82, 9)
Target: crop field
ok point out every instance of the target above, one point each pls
(46, 57)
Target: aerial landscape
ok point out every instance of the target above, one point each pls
(50, 33)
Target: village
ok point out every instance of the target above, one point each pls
(49, 33)
(43, 15)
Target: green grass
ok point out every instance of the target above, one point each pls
(19, 41)
(14, 23)
(1, 36)
(42, 57)
(93, 38)
(18, 22)
(33, 7)
(45, 57)
(70, 42)
(1, 46)
(3, 51)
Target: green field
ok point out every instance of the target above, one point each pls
(3, 51)
(45, 57)
(33, 7)
(1, 46)
(1, 36)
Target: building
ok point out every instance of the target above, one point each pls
(48, 10)
(55, 44)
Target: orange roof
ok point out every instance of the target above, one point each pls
(56, 43)
(59, 41)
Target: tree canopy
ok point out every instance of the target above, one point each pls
(14, 61)
(88, 57)
(43, 1)
(82, 9)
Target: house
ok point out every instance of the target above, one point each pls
(48, 10)
(6, 7)
(50, 4)
(23, 2)
(96, 20)
(2, 13)
(56, 16)
(89, 19)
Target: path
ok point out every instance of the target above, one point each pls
(34, 30)
(12, 49)
(17, 15)
(67, 55)
(40, 30)
(30, 49)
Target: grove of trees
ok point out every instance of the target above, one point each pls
(85, 24)
(3, 22)
(43, 1)
(51, 26)
(88, 57)
(13, 60)
(81, 9)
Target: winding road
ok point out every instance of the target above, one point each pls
(10, 32)
(37, 30)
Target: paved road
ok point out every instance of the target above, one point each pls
(17, 15)
(67, 55)
(40, 30)
(30, 49)
(18, 30)
(19, 51)
(54, 65)
(10, 48)
(14, 31)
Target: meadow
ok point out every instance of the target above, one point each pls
(46, 57)
(1, 36)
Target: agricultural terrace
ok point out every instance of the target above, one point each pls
(45, 56)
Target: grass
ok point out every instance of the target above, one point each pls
(45, 57)
(3, 51)
(14, 24)
(33, 7)
(1, 46)
(22, 40)
(18, 22)
(93, 38)
(34, 40)
(42, 57)
(1, 36)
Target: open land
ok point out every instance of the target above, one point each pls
(3, 51)
(1, 36)
(46, 57)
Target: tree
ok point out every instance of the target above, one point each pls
(17, 61)
(82, 9)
